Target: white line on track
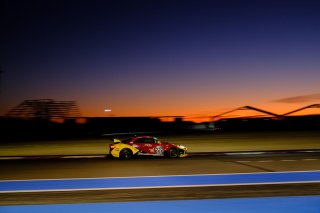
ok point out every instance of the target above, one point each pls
(245, 153)
(85, 156)
(270, 161)
(11, 158)
(155, 176)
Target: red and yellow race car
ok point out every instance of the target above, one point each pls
(145, 145)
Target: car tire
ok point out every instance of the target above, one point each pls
(173, 153)
(126, 154)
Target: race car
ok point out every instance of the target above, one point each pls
(145, 145)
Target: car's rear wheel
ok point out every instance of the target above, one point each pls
(126, 154)
(173, 153)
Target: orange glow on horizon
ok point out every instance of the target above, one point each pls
(207, 117)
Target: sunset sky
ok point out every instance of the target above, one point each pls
(161, 57)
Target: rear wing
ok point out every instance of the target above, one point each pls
(115, 140)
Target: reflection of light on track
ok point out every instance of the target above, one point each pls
(248, 205)
(272, 161)
(79, 184)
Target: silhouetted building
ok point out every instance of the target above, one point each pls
(45, 109)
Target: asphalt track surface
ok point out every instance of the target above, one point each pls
(105, 167)
(292, 204)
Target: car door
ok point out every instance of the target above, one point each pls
(144, 145)
(148, 146)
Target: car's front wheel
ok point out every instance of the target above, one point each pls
(126, 154)
(173, 153)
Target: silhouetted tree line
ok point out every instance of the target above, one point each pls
(14, 129)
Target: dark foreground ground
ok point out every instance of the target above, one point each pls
(86, 168)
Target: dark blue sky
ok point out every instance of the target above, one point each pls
(160, 57)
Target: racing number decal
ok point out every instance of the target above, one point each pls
(158, 150)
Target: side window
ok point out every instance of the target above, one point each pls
(145, 140)
(149, 140)
(140, 140)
